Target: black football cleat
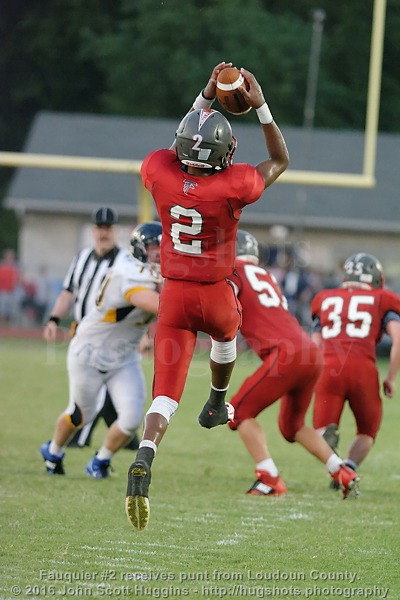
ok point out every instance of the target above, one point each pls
(211, 417)
(137, 495)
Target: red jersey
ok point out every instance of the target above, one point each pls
(9, 276)
(351, 319)
(199, 215)
(266, 320)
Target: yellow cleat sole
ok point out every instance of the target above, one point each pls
(138, 507)
(138, 511)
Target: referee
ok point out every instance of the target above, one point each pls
(80, 288)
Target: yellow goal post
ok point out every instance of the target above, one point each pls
(366, 179)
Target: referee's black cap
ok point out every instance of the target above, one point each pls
(105, 216)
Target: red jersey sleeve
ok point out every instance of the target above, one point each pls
(253, 185)
(149, 166)
(248, 184)
(390, 301)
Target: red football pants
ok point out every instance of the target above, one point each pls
(187, 307)
(356, 380)
(291, 377)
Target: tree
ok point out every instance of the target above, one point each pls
(43, 67)
(145, 74)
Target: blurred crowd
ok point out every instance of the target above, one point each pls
(300, 285)
(23, 302)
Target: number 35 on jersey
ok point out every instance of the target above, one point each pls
(352, 319)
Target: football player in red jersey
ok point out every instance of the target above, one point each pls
(290, 369)
(199, 197)
(348, 323)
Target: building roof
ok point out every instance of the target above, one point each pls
(56, 190)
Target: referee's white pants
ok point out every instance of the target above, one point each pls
(126, 386)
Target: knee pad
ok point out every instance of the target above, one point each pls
(163, 406)
(76, 418)
(223, 352)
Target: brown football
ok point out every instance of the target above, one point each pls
(227, 93)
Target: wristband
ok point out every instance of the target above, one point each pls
(55, 319)
(202, 102)
(264, 114)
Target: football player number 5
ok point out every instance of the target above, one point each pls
(195, 228)
(353, 315)
(267, 294)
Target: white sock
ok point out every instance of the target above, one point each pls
(268, 465)
(55, 449)
(148, 444)
(333, 463)
(105, 454)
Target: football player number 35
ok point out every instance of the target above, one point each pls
(195, 228)
(362, 317)
(267, 294)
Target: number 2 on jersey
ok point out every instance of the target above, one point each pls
(195, 228)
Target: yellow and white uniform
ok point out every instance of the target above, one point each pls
(104, 349)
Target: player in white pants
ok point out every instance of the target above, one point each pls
(104, 351)
(80, 287)
(126, 385)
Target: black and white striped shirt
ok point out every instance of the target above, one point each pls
(85, 275)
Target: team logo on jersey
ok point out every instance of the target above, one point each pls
(203, 116)
(188, 185)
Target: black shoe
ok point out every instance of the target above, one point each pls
(211, 417)
(331, 436)
(137, 495)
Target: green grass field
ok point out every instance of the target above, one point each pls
(69, 536)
